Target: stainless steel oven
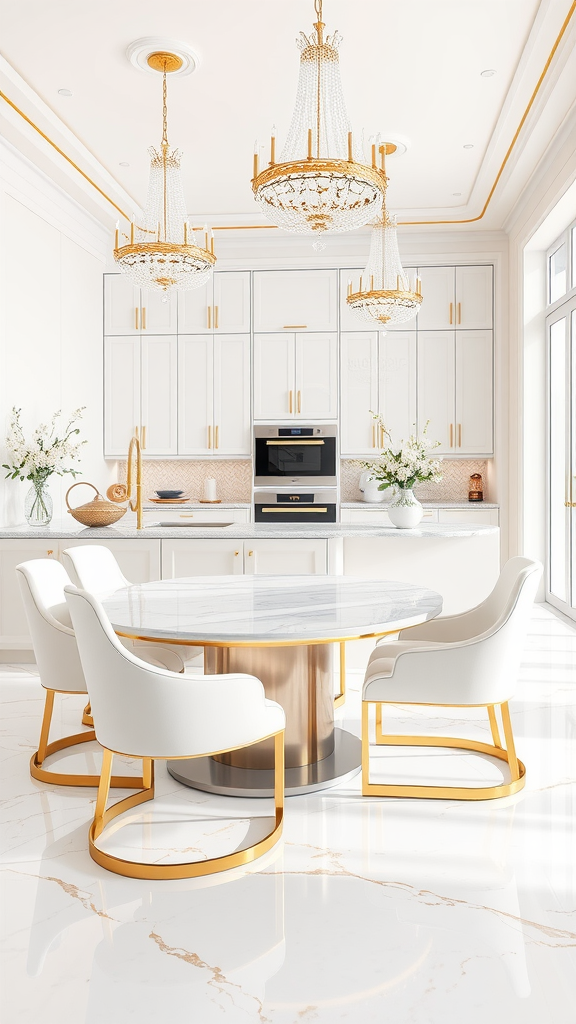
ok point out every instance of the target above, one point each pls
(305, 456)
(295, 506)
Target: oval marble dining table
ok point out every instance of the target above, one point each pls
(287, 631)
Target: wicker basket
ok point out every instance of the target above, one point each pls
(97, 512)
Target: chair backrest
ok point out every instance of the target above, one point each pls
(145, 711)
(42, 583)
(487, 615)
(93, 568)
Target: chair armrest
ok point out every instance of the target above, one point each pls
(445, 628)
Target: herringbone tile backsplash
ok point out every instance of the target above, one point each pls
(452, 487)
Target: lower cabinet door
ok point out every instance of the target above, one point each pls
(470, 516)
(14, 633)
(138, 559)
(285, 557)
(201, 558)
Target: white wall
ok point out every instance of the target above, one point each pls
(51, 330)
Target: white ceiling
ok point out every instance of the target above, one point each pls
(409, 67)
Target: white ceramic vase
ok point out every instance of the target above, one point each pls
(405, 512)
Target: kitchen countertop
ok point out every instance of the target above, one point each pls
(151, 506)
(425, 504)
(239, 531)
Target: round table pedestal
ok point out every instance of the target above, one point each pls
(300, 678)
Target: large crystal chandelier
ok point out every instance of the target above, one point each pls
(385, 294)
(162, 251)
(321, 182)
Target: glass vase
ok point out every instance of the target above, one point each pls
(405, 512)
(38, 504)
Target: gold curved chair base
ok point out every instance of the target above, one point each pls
(508, 754)
(45, 749)
(87, 716)
(182, 869)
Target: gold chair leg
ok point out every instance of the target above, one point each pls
(87, 716)
(517, 769)
(183, 869)
(45, 749)
(341, 697)
(494, 725)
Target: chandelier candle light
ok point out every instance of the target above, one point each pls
(162, 253)
(385, 294)
(321, 182)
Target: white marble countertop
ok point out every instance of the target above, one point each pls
(425, 504)
(239, 531)
(150, 506)
(269, 608)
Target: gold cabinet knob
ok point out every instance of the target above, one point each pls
(250, 553)
(236, 553)
(50, 551)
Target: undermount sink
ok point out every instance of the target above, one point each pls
(197, 526)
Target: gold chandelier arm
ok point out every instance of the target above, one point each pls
(164, 110)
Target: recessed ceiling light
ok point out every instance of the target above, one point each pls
(456, 193)
(488, 73)
(469, 145)
(64, 92)
(124, 163)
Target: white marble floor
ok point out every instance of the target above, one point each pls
(407, 912)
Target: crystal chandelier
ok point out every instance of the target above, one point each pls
(162, 252)
(321, 182)
(385, 294)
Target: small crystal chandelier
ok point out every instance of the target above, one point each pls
(162, 252)
(385, 294)
(321, 182)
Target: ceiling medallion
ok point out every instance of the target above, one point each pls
(385, 294)
(321, 182)
(161, 252)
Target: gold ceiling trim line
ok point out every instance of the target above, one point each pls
(403, 223)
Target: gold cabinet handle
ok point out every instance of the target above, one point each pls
(137, 433)
(143, 318)
(186, 515)
(50, 551)
(459, 312)
(450, 315)
(136, 318)
(570, 504)
(236, 553)
(143, 437)
(299, 403)
(289, 401)
(216, 433)
(209, 317)
(459, 435)
(451, 435)
(373, 435)
(295, 327)
(250, 553)
(209, 436)
(216, 317)
(381, 436)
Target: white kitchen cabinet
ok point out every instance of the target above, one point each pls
(437, 311)
(181, 558)
(351, 321)
(121, 393)
(14, 633)
(470, 516)
(436, 387)
(295, 376)
(134, 311)
(208, 514)
(159, 394)
(138, 558)
(474, 393)
(222, 304)
(285, 557)
(474, 298)
(214, 394)
(377, 515)
(295, 300)
(378, 374)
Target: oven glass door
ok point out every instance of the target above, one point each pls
(287, 457)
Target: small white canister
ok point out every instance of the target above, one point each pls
(210, 489)
(368, 488)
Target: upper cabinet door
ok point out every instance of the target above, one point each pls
(436, 388)
(474, 298)
(397, 363)
(158, 316)
(437, 312)
(359, 376)
(232, 394)
(160, 395)
(121, 305)
(274, 384)
(231, 307)
(195, 395)
(474, 391)
(121, 394)
(296, 300)
(317, 376)
(195, 313)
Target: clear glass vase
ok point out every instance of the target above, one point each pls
(405, 512)
(38, 505)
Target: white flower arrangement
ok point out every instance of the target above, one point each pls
(46, 453)
(406, 464)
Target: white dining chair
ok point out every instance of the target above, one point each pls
(149, 713)
(467, 660)
(42, 583)
(93, 567)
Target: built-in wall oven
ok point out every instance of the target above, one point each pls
(295, 506)
(305, 456)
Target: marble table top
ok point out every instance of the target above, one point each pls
(260, 609)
